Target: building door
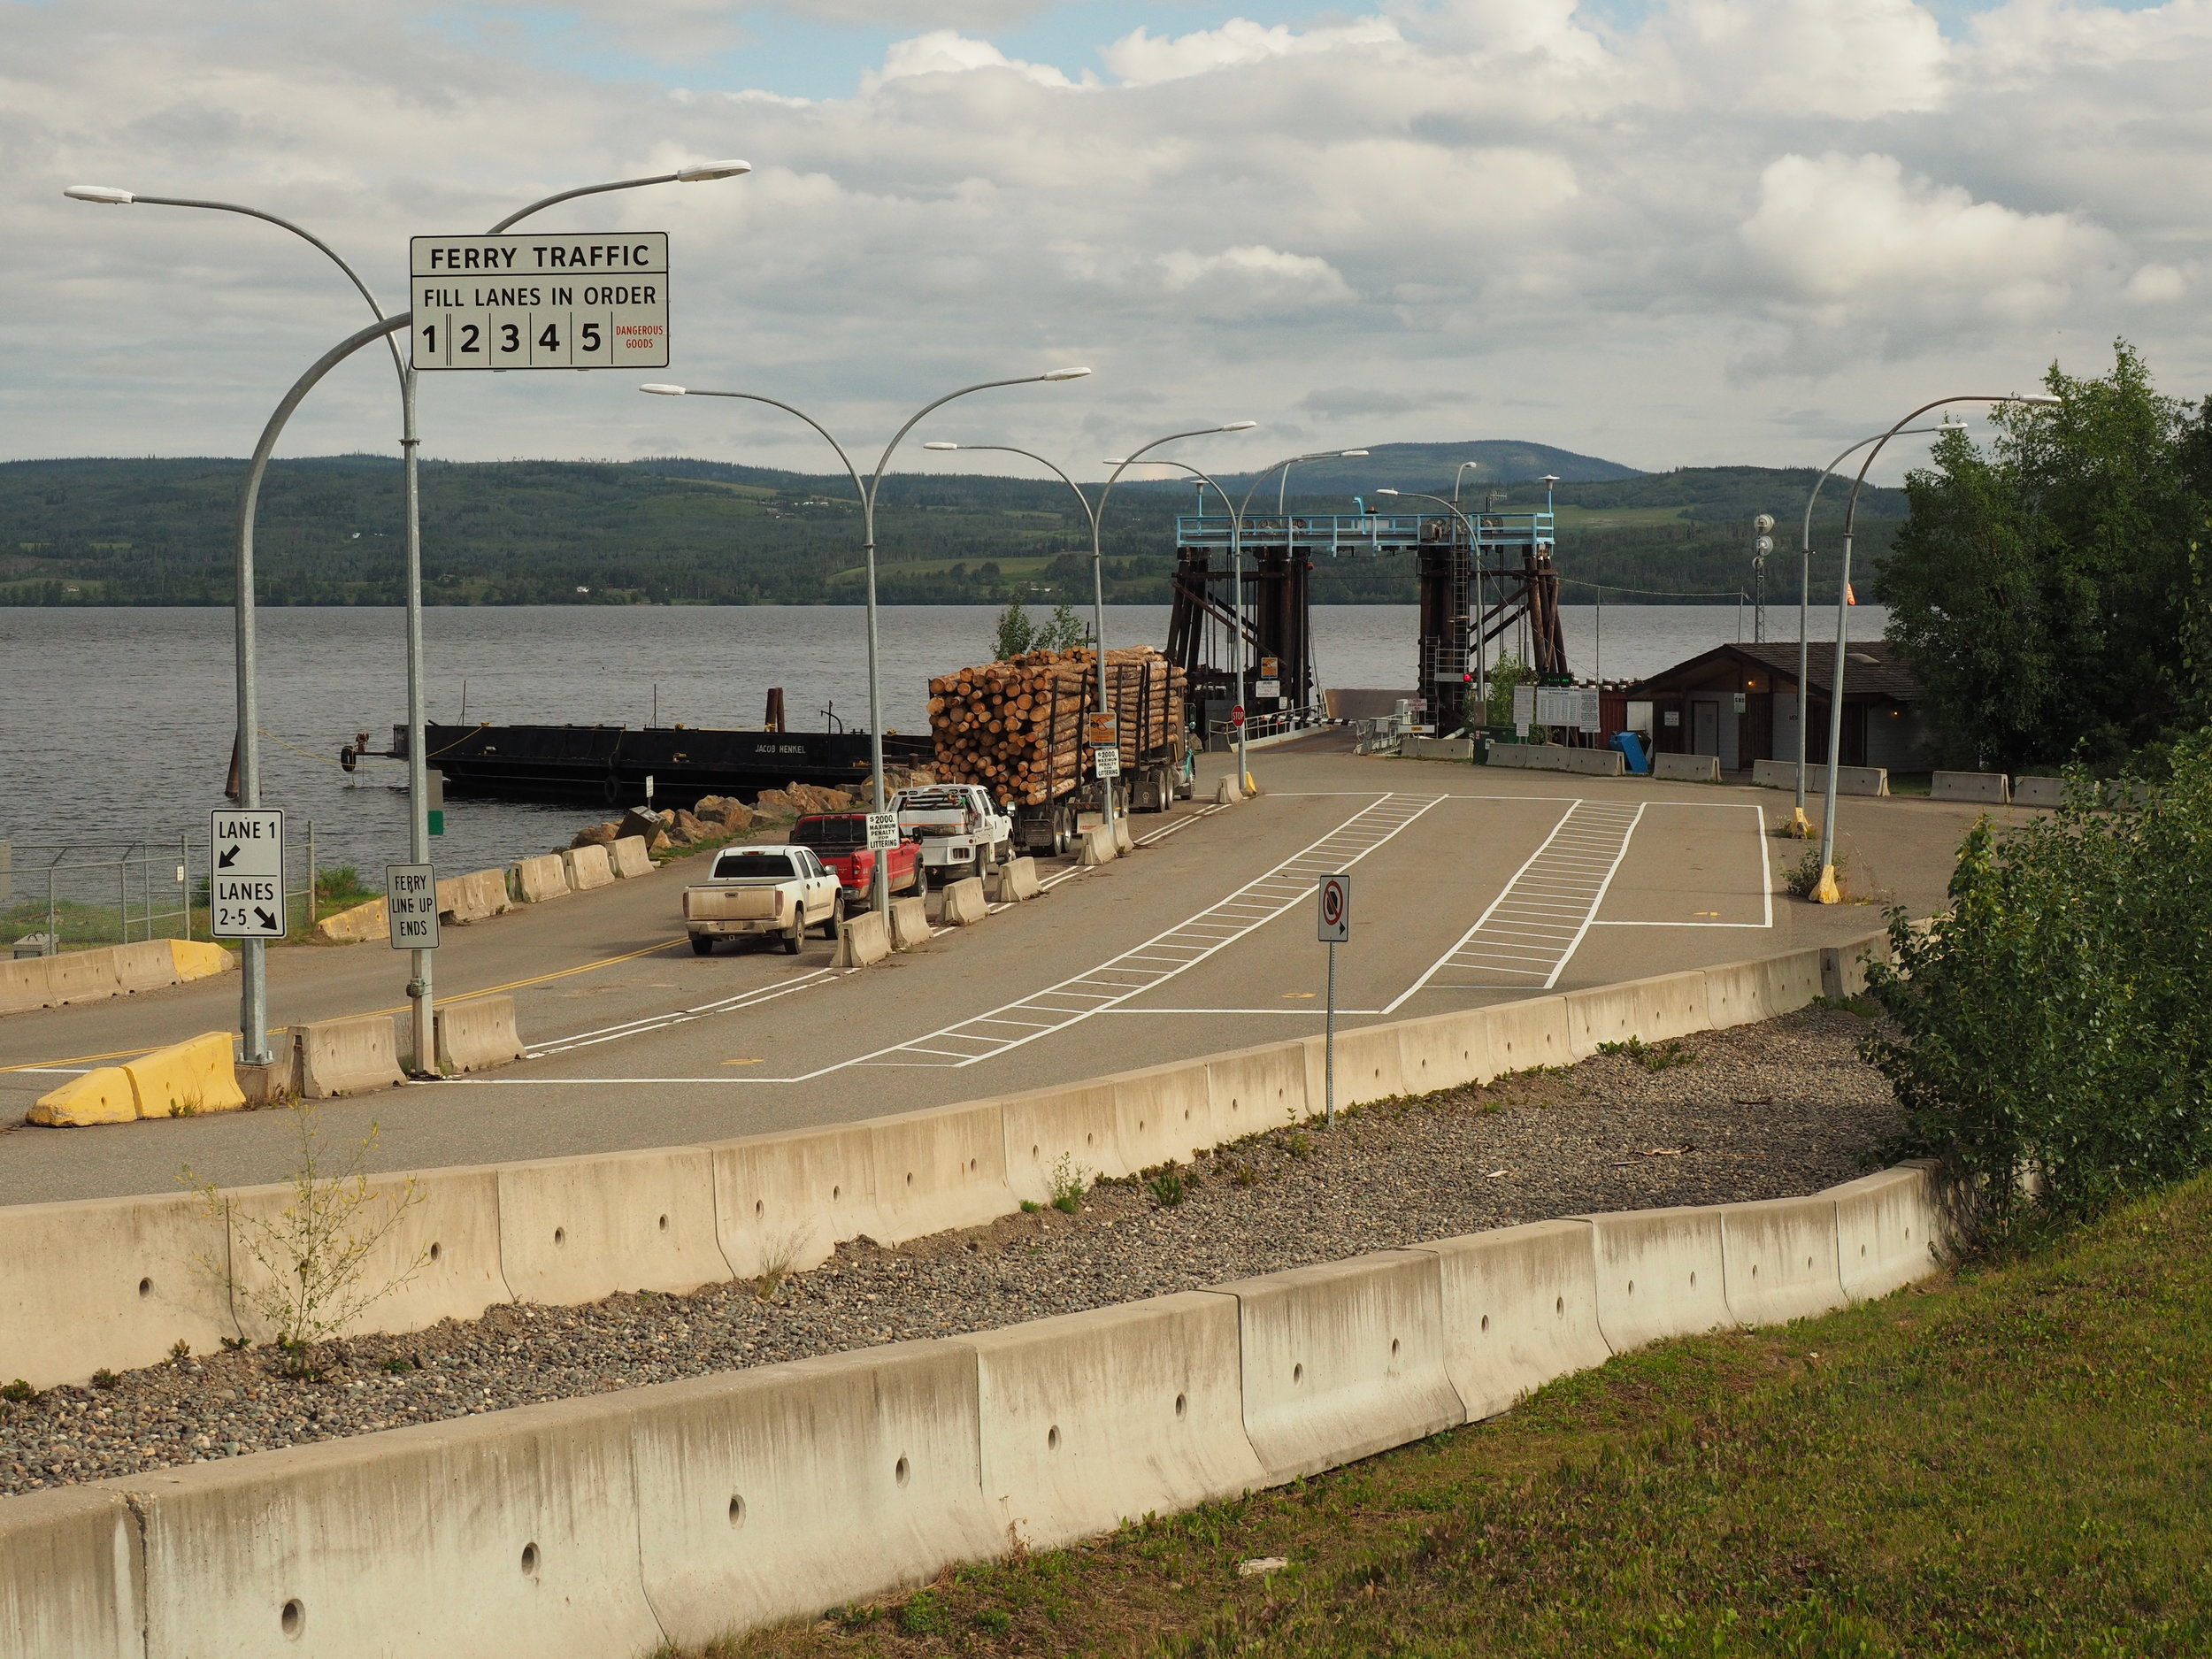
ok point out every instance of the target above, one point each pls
(1855, 735)
(1705, 728)
(1755, 730)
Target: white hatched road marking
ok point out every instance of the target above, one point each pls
(1531, 930)
(1130, 975)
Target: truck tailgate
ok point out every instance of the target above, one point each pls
(732, 904)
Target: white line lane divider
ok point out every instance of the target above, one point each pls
(1531, 930)
(1160, 958)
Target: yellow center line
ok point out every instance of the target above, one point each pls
(489, 990)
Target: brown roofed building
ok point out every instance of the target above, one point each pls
(1740, 702)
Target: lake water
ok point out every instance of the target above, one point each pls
(116, 724)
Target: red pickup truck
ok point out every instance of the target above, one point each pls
(840, 839)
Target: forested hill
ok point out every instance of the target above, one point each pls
(675, 531)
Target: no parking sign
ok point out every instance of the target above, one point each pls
(1335, 918)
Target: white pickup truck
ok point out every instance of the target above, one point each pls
(777, 891)
(961, 829)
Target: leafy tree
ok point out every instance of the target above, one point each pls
(1065, 631)
(1016, 632)
(2047, 589)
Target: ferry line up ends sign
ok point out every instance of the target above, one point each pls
(596, 302)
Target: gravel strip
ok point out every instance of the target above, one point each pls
(1762, 1112)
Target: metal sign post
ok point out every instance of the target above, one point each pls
(538, 301)
(1334, 926)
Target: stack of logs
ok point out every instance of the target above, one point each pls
(1017, 726)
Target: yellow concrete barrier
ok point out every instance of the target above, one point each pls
(196, 959)
(187, 1079)
(104, 1095)
(351, 925)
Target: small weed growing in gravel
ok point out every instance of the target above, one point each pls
(105, 1378)
(855, 1617)
(1653, 1057)
(181, 1350)
(396, 1365)
(1031, 1207)
(1806, 876)
(1167, 1188)
(233, 1344)
(1070, 1181)
(925, 1616)
(775, 1263)
(997, 1621)
(1864, 1007)
(1299, 1145)
(19, 1391)
(1245, 1176)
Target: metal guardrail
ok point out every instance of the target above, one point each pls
(1265, 726)
(1350, 534)
(82, 895)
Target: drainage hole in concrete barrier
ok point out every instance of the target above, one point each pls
(663, 1224)
(145, 1286)
(1808, 1263)
(1393, 1347)
(293, 1620)
(836, 1193)
(1036, 1152)
(1182, 1405)
(560, 1235)
(1052, 1438)
(760, 1208)
(433, 1250)
(1692, 1282)
(530, 1559)
(1485, 1322)
(1298, 1373)
(901, 1472)
(971, 1166)
(909, 1177)
(1755, 1273)
(1862, 1249)
(737, 1509)
(1631, 1287)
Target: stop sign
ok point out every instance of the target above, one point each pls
(1236, 715)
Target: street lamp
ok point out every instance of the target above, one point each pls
(1282, 484)
(1482, 686)
(253, 989)
(1826, 892)
(1460, 472)
(881, 895)
(1800, 826)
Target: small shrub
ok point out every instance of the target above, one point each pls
(1031, 1207)
(1299, 1145)
(1652, 1057)
(105, 1378)
(181, 1350)
(1167, 1188)
(1245, 1175)
(1070, 1181)
(995, 1621)
(1804, 879)
(19, 1391)
(924, 1614)
(398, 1364)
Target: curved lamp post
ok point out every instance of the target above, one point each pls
(1827, 892)
(1482, 684)
(866, 490)
(1800, 825)
(253, 989)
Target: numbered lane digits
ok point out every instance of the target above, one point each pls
(557, 321)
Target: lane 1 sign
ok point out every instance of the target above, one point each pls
(245, 888)
(410, 905)
(1335, 918)
(537, 301)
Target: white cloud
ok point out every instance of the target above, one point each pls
(1141, 58)
(1665, 241)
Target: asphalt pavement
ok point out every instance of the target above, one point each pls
(1470, 886)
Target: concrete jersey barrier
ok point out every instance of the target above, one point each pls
(1993, 788)
(587, 867)
(2039, 792)
(347, 1056)
(864, 939)
(909, 923)
(475, 1035)
(1782, 774)
(691, 1510)
(534, 881)
(1685, 768)
(965, 903)
(629, 859)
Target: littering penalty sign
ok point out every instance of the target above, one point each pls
(1334, 919)
(883, 831)
(245, 888)
(540, 302)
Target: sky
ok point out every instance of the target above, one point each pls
(1671, 232)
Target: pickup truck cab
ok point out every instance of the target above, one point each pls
(840, 839)
(961, 830)
(776, 891)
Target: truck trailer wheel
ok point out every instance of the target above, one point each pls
(703, 944)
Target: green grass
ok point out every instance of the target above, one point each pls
(2013, 1461)
(91, 925)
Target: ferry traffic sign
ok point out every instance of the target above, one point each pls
(410, 906)
(540, 302)
(245, 888)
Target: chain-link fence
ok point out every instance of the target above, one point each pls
(76, 895)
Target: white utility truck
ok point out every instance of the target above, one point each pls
(961, 829)
(777, 891)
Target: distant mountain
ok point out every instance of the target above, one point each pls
(1431, 467)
